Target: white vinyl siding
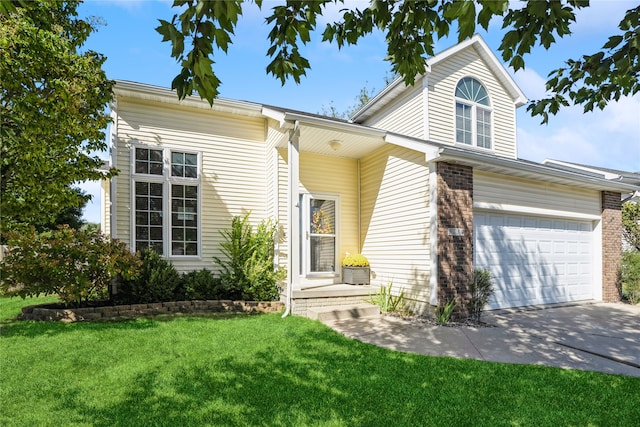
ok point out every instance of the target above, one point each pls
(395, 219)
(233, 178)
(442, 83)
(105, 207)
(494, 189)
(404, 116)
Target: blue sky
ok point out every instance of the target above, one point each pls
(609, 138)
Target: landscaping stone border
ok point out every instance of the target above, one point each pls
(48, 313)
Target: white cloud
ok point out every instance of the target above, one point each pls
(531, 83)
(331, 12)
(608, 138)
(600, 17)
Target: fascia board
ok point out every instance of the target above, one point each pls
(278, 116)
(606, 175)
(431, 151)
(334, 125)
(144, 92)
(368, 109)
(512, 167)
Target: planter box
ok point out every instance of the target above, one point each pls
(356, 275)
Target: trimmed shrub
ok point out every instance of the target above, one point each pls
(201, 285)
(75, 265)
(481, 290)
(158, 281)
(630, 276)
(247, 269)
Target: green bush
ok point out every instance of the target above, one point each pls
(201, 285)
(630, 276)
(158, 281)
(388, 302)
(481, 290)
(77, 266)
(443, 313)
(247, 269)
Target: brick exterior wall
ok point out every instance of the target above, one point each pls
(455, 252)
(611, 244)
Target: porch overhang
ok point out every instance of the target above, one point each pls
(328, 137)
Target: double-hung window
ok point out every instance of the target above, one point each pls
(473, 114)
(166, 201)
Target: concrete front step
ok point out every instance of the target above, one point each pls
(342, 312)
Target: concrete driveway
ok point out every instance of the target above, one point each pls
(602, 337)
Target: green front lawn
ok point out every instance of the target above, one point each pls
(264, 370)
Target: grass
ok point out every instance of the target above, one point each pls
(264, 370)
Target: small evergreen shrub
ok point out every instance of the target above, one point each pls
(201, 285)
(481, 290)
(630, 276)
(158, 282)
(75, 265)
(247, 269)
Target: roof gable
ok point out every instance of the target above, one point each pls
(397, 88)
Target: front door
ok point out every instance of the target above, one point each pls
(319, 235)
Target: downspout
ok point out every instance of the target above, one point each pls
(292, 204)
(631, 196)
(359, 211)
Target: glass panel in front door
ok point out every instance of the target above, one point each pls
(321, 236)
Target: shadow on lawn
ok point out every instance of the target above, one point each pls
(32, 329)
(314, 376)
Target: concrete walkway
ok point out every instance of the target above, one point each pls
(602, 337)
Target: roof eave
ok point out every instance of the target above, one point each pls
(144, 92)
(518, 168)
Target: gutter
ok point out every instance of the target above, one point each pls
(335, 125)
(508, 166)
(145, 92)
(632, 196)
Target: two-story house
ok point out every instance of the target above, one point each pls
(424, 181)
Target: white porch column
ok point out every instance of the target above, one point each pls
(293, 263)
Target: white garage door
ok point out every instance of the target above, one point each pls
(534, 260)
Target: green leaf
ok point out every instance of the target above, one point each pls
(613, 42)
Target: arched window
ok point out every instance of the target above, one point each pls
(473, 114)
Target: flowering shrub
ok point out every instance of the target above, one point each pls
(77, 266)
(356, 260)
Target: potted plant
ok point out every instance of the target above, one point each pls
(355, 269)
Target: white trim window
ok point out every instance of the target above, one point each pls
(473, 114)
(166, 201)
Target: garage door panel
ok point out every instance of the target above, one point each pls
(534, 260)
